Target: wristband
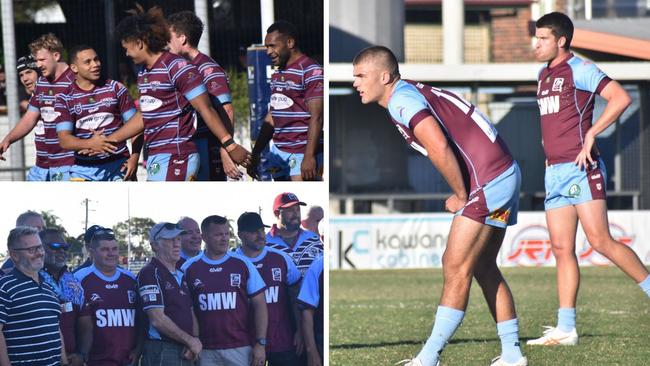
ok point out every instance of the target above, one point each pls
(227, 143)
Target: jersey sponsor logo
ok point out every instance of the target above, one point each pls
(557, 84)
(107, 101)
(197, 283)
(148, 103)
(280, 101)
(48, 114)
(131, 295)
(235, 279)
(218, 301)
(95, 298)
(271, 294)
(95, 121)
(277, 274)
(548, 105)
(149, 290)
(216, 269)
(111, 286)
(115, 318)
(259, 265)
(500, 215)
(40, 128)
(544, 92)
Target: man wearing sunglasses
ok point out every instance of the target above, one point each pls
(29, 307)
(166, 300)
(70, 294)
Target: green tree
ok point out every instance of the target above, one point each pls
(139, 230)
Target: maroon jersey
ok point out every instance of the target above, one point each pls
(48, 151)
(291, 89)
(104, 107)
(160, 288)
(482, 154)
(216, 81)
(165, 92)
(112, 303)
(565, 96)
(278, 272)
(220, 292)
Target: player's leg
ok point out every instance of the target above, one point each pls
(593, 218)
(467, 239)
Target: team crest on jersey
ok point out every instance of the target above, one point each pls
(50, 92)
(574, 191)
(277, 274)
(169, 286)
(77, 108)
(131, 295)
(154, 169)
(235, 279)
(557, 84)
(155, 85)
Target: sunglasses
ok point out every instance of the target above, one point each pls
(167, 226)
(57, 246)
(102, 232)
(30, 250)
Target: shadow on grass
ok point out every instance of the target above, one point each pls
(453, 341)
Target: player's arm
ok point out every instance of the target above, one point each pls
(130, 129)
(230, 111)
(263, 138)
(165, 325)
(261, 324)
(4, 355)
(96, 143)
(430, 135)
(84, 336)
(130, 167)
(313, 357)
(309, 166)
(203, 105)
(20, 130)
(298, 339)
(617, 101)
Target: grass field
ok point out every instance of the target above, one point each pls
(381, 317)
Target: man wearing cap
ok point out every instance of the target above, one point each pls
(190, 240)
(282, 278)
(28, 74)
(171, 336)
(310, 299)
(228, 296)
(76, 327)
(286, 235)
(28, 218)
(88, 237)
(110, 295)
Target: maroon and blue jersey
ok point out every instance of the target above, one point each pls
(565, 96)
(220, 291)
(48, 151)
(105, 107)
(278, 272)
(165, 92)
(482, 154)
(308, 247)
(311, 293)
(112, 304)
(216, 81)
(291, 89)
(159, 288)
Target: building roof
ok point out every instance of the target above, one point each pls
(620, 36)
(473, 2)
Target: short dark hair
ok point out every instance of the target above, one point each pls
(379, 54)
(187, 24)
(559, 24)
(214, 219)
(74, 51)
(149, 27)
(285, 28)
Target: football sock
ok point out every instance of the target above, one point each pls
(645, 285)
(446, 323)
(566, 319)
(508, 331)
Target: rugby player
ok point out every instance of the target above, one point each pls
(282, 278)
(466, 149)
(90, 108)
(185, 30)
(311, 299)
(171, 89)
(576, 178)
(28, 74)
(295, 121)
(52, 161)
(228, 295)
(110, 295)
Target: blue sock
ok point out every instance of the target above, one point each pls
(645, 285)
(508, 331)
(566, 319)
(446, 323)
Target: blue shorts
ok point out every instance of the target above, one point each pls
(284, 164)
(567, 185)
(57, 174)
(106, 172)
(172, 167)
(210, 166)
(497, 202)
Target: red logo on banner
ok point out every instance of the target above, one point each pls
(531, 246)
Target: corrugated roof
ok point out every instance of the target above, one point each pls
(638, 28)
